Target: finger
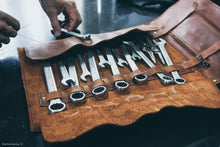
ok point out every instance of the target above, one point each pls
(7, 30)
(55, 25)
(73, 16)
(4, 39)
(11, 21)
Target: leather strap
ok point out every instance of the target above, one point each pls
(52, 95)
(204, 54)
(74, 89)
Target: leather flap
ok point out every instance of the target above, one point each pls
(51, 49)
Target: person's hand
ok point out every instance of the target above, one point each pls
(8, 27)
(54, 7)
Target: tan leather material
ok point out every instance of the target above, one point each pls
(135, 73)
(51, 49)
(114, 78)
(205, 54)
(116, 108)
(173, 16)
(194, 33)
(53, 95)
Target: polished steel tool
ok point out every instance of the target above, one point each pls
(120, 85)
(85, 71)
(99, 91)
(121, 62)
(76, 97)
(161, 44)
(102, 60)
(55, 105)
(139, 79)
(164, 79)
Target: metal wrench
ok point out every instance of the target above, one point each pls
(76, 97)
(99, 91)
(80, 36)
(102, 60)
(175, 74)
(134, 56)
(56, 105)
(121, 62)
(164, 79)
(139, 79)
(147, 48)
(85, 71)
(66, 79)
(156, 51)
(121, 85)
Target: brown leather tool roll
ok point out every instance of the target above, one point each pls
(191, 29)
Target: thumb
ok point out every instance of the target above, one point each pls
(55, 25)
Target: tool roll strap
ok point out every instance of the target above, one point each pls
(191, 29)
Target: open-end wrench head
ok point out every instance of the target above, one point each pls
(122, 63)
(56, 105)
(166, 80)
(102, 64)
(84, 75)
(161, 42)
(140, 79)
(122, 87)
(67, 81)
(78, 98)
(100, 92)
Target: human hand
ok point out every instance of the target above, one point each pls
(8, 27)
(55, 7)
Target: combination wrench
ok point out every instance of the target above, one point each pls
(156, 51)
(100, 91)
(102, 60)
(66, 79)
(121, 62)
(120, 85)
(77, 97)
(134, 56)
(85, 71)
(139, 79)
(175, 74)
(164, 79)
(56, 104)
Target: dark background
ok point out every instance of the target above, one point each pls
(186, 126)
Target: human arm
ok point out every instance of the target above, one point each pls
(55, 7)
(8, 27)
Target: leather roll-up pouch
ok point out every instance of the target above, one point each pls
(191, 30)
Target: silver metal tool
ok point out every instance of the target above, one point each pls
(121, 85)
(147, 48)
(161, 44)
(121, 62)
(134, 56)
(164, 79)
(66, 79)
(99, 91)
(156, 51)
(80, 36)
(85, 71)
(55, 105)
(139, 79)
(76, 97)
(102, 60)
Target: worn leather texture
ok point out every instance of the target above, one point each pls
(195, 33)
(119, 109)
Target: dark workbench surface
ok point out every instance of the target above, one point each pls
(187, 126)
